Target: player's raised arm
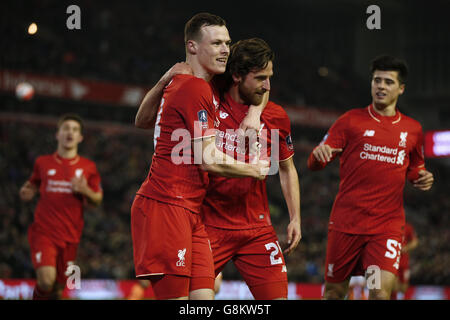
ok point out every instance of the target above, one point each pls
(146, 114)
(321, 156)
(291, 192)
(80, 185)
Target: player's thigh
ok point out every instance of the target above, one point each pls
(162, 238)
(382, 252)
(224, 245)
(387, 283)
(46, 277)
(44, 254)
(261, 263)
(343, 256)
(66, 257)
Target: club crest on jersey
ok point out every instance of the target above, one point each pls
(403, 136)
(289, 143)
(181, 259)
(203, 118)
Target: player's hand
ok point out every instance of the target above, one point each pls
(27, 191)
(79, 184)
(294, 235)
(425, 180)
(251, 121)
(177, 68)
(324, 152)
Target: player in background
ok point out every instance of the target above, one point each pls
(378, 148)
(236, 211)
(65, 182)
(170, 244)
(410, 241)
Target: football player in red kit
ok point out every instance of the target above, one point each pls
(236, 211)
(170, 244)
(378, 148)
(64, 181)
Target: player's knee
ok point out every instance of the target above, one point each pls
(45, 280)
(46, 283)
(379, 294)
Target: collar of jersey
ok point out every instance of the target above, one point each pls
(379, 118)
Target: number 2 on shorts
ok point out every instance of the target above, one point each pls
(275, 247)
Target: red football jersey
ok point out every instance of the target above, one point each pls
(378, 153)
(59, 212)
(241, 203)
(186, 112)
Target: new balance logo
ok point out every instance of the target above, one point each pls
(223, 115)
(180, 262)
(330, 269)
(369, 133)
(51, 172)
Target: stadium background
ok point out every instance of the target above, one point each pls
(323, 49)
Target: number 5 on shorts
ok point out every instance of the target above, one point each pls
(392, 252)
(275, 247)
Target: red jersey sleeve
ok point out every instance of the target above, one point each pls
(417, 161)
(94, 180)
(196, 103)
(336, 138)
(286, 144)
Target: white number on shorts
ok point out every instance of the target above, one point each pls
(392, 251)
(276, 249)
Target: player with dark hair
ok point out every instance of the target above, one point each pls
(64, 181)
(170, 244)
(379, 148)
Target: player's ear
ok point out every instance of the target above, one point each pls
(402, 88)
(191, 47)
(236, 78)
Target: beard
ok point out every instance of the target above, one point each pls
(250, 97)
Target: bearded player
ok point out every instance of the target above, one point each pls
(170, 244)
(378, 148)
(236, 211)
(64, 181)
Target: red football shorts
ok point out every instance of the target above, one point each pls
(170, 240)
(404, 271)
(351, 254)
(48, 252)
(257, 256)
